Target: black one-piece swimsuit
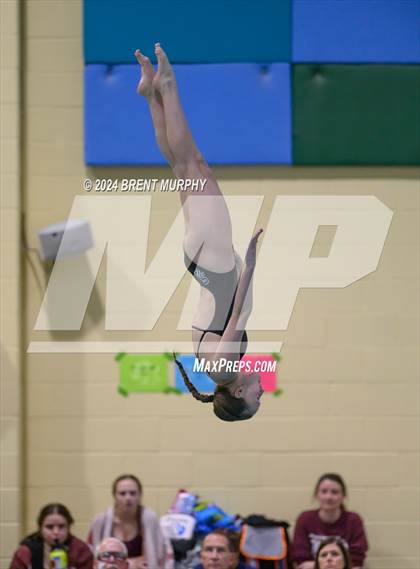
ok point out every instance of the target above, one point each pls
(223, 288)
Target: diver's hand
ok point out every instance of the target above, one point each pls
(251, 254)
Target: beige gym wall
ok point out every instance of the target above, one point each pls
(350, 356)
(10, 283)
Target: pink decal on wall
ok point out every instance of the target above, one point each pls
(264, 364)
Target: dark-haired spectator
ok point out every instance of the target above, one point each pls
(332, 554)
(134, 524)
(220, 550)
(54, 521)
(331, 519)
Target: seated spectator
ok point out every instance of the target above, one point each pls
(331, 519)
(220, 550)
(111, 553)
(133, 524)
(332, 554)
(54, 521)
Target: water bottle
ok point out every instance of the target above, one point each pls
(58, 557)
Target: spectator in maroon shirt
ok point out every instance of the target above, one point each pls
(54, 521)
(331, 519)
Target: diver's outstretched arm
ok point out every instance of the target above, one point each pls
(242, 305)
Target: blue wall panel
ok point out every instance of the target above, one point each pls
(239, 114)
(200, 379)
(191, 31)
(356, 31)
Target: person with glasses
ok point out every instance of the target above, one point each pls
(111, 553)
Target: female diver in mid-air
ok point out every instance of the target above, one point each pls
(226, 283)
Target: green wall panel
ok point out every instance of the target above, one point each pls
(356, 114)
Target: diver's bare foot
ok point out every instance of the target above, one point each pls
(145, 86)
(164, 75)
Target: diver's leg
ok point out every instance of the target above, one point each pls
(208, 205)
(188, 158)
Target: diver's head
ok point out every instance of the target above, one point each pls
(238, 400)
(247, 387)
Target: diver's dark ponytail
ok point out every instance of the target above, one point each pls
(194, 392)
